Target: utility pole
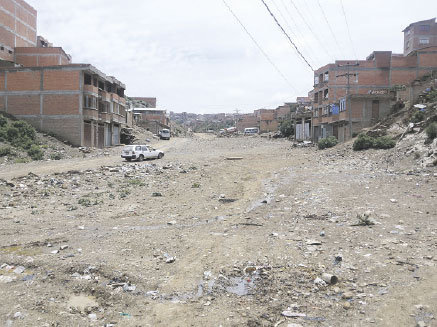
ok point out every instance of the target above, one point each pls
(348, 75)
(237, 112)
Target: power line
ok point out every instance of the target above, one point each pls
(288, 37)
(348, 30)
(330, 28)
(311, 30)
(259, 47)
(309, 51)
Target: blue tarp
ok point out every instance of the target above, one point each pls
(335, 109)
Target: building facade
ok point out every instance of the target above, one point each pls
(39, 84)
(76, 102)
(420, 35)
(17, 28)
(370, 82)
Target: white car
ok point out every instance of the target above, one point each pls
(140, 152)
(164, 134)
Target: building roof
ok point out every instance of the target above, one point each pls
(88, 67)
(432, 20)
(149, 109)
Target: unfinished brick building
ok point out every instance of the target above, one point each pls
(39, 83)
(76, 102)
(370, 84)
(17, 28)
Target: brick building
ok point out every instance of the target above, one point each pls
(371, 82)
(420, 35)
(39, 83)
(152, 119)
(76, 101)
(17, 28)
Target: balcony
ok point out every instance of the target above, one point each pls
(104, 96)
(105, 117)
(90, 114)
(90, 89)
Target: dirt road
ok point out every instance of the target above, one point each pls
(199, 240)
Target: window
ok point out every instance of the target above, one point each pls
(325, 94)
(316, 113)
(407, 45)
(424, 40)
(424, 28)
(316, 97)
(87, 79)
(316, 80)
(342, 105)
(326, 77)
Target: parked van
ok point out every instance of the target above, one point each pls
(164, 134)
(251, 131)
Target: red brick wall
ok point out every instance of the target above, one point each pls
(24, 104)
(403, 77)
(61, 104)
(48, 60)
(26, 61)
(2, 81)
(2, 103)
(61, 80)
(24, 81)
(428, 59)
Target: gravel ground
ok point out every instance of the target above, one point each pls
(195, 239)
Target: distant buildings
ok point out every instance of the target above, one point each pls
(350, 95)
(39, 83)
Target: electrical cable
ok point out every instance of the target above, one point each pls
(311, 30)
(348, 30)
(330, 28)
(260, 48)
(286, 34)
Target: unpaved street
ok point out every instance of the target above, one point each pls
(198, 240)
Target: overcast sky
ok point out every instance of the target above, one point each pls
(194, 56)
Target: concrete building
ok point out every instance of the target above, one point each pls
(39, 83)
(17, 28)
(420, 35)
(371, 83)
(77, 102)
(153, 119)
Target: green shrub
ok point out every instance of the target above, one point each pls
(5, 151)
(12, 134)
(418, 117)
(3, 121)
(24, 129)
(328, 142)
(384, 142)
(56, 156)
(431, 131)
(3, 134)
(287, 128)
(35, 152)
(363, 142)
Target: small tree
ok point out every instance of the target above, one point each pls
(287, 128)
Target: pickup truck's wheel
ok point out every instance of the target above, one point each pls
(160, 155)
(141, 158)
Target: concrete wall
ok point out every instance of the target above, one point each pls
(48, 99)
